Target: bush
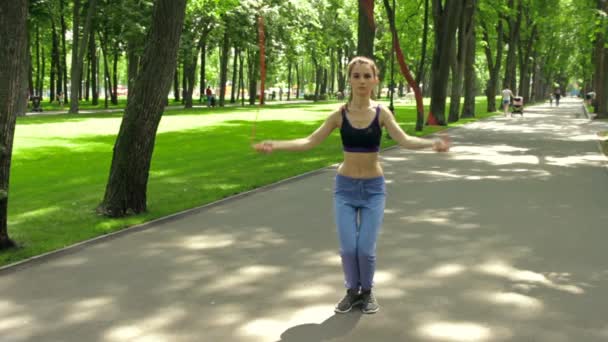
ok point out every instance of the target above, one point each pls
(311, 97)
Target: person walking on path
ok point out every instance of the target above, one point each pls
(359, 196)
(557, 93)
(209, 94)
(507, 94)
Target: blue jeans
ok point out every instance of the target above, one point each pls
(359, 210)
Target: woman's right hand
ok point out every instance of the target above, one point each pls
(264, 147)
(441, 144)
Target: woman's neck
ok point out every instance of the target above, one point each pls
(360, 102)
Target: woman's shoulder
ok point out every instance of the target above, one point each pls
(384, 113)
(336, 115)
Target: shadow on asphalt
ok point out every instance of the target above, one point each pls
(338, 325)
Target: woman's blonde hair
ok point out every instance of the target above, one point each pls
(361, 60)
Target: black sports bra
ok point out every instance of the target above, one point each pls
(363, 140)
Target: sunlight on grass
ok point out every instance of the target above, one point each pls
(33, 214)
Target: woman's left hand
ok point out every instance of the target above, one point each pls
(264, 147)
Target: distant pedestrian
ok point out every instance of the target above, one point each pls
(507, 94)
(209, 94)
(60, 99)
(558, 94)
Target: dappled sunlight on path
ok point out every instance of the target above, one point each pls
(501, 239)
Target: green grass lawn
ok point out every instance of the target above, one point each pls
(60, 166)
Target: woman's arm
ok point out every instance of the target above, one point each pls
(408, 141)
(302, 144)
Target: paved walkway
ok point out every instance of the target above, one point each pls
(502, 239)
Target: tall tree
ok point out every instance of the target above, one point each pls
(367, 29)
(468, 109)
(13, 75)
(78, 51)
(446, 16)
(514, 20)
(489, 17)
(127, 185)
(601, 60)
(458, 58)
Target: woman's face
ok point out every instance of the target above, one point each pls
(362, 79)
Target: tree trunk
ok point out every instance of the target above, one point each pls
(176, 96)
(22, 104)
(87, 81)
(511, 64)
(132, 66)
(13, 69)
(457, 65)
(128, 180)
(224, 67)
(78, 51)
(184, 82)
(602, 106)
(298, 82)
(39, 75)
(493, 64)
(41, 89)
(235, 64)
(107, 81)
(366, 30)
(468, 109)
(525, 52)
(54, 61)
(115, 77)
(93, 64)
(341, 79)
(203, 46)
(420, 73)
(64, 54)
(323, 81)
(601, 67)
(30, 67)
(289, 66)
(446, 22)
(252, 66)
(241, 81)
(190, 63)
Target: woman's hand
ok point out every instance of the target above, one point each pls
(441, 144)
(264, 147)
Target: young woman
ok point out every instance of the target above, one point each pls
(360, 189)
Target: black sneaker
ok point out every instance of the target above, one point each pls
(370, 304)
(351, 299)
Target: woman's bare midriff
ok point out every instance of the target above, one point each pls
(360, 165)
